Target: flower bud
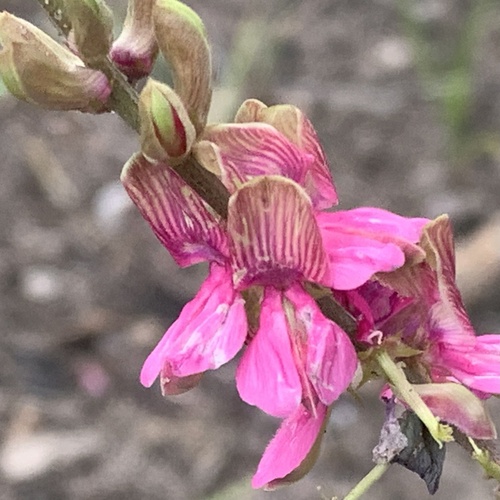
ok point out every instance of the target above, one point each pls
(38, 70)
(166, 130)
(135, 50)
(92, 27)
(183, 42)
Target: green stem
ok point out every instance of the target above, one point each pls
(483, 457)
(367, 482)
(405, 391)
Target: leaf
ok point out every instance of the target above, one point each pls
(422, 455)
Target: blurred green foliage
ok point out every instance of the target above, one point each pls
(449, 81)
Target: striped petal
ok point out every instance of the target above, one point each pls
(185, 225)
(209, 332)
(293, 124)
(273, 234)
(293, 450)
(267, 376)
(253, 149)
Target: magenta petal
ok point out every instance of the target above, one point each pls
(474, 361)
(209, 331)
(290, 446)
(365, 241)
(331, 358)
(267, 376)
(273, 234)
(252, 149)
(178, 216)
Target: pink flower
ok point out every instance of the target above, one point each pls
(297, 361)
(419, 307)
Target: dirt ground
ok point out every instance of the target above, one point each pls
(86, 290)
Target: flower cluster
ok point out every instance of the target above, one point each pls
(315, 300)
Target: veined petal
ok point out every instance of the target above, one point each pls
(187, 227)
(209, 331)
(293, 123)
(267, 376)
(273, 235)
(364, 241)
(253, 149)
(331, 359)
(456, 405)
(297, 442)
(437, 241)
(474, 361)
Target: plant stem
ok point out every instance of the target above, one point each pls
(367, 482)
(490, 466)
(405, 391)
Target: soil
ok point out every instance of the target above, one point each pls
(86, 290)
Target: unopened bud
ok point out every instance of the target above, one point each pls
(92, 27)
(183, 42)
(135, 50)
(166, 130)
(38, 70)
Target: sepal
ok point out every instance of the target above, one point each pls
(182, 40)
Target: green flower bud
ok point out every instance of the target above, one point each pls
(183, 42)
(38, 70)
(167, 133)
(92, 27)
(135, 50)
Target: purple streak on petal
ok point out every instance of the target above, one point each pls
(274, 238)
(254, 149)
(187, 227)
(456, 405)
(290, 446)
(209, 331)
(331, 358)
(292, 122)
(267, 376)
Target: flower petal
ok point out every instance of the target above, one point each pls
(364, 241)
(209, 331)
(253, 149)
(273, 234)
(331, 358)
(266, 376)
(187, 227)
(456, 405)
(296, 443)
(293, 123)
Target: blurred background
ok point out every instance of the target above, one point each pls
(405, 97)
